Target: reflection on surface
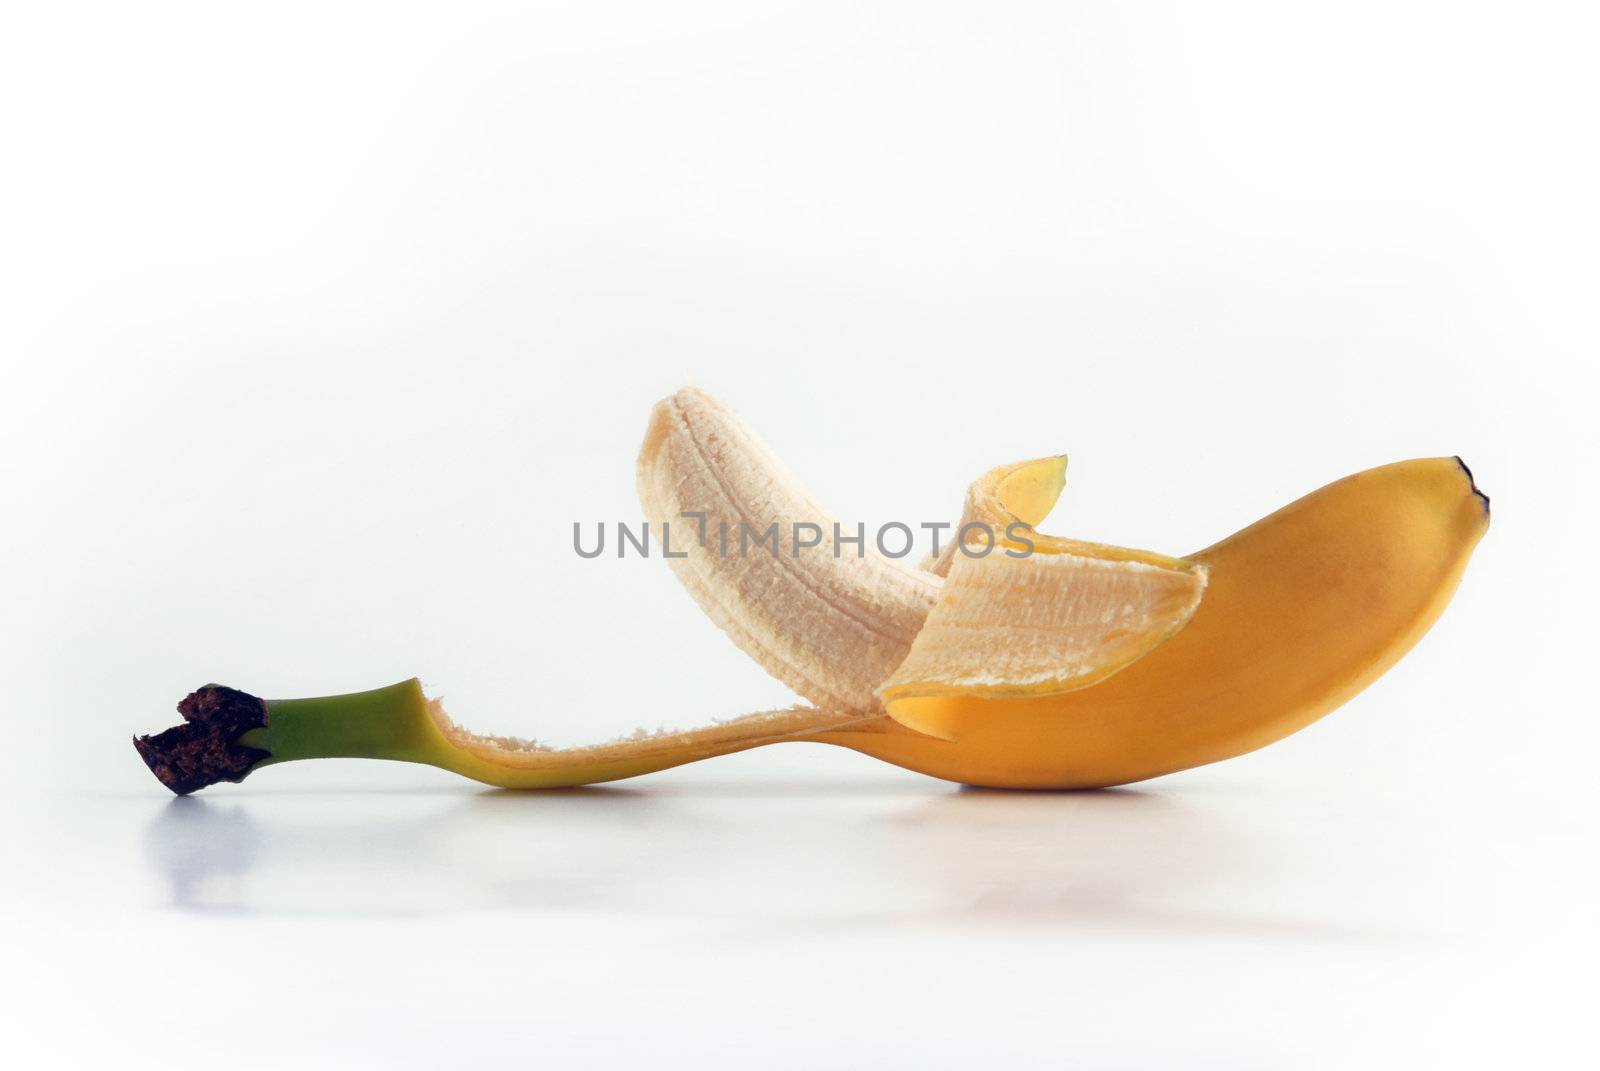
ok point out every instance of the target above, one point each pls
(795, 859)
(198, 845)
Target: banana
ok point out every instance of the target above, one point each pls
(1030, 662)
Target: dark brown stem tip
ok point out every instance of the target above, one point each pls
(1475, 489)
(206, 749)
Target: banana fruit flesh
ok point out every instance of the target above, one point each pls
(831, 627)
(1038, 662)
(1046, 623)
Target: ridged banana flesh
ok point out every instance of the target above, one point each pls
(830, 626)
(1048, 622)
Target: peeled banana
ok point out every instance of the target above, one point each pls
(1011, 658)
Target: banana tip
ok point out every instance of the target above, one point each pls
(205, 748)
(1483, 498)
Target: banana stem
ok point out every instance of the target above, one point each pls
(229, 733)
(384, 723)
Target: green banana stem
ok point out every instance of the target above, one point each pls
(384, 723)
(227, 733)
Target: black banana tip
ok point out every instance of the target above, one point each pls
(1475, 488)
(205, 749)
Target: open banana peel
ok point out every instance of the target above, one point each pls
(1009, 658)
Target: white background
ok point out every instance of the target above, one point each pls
(322, 323)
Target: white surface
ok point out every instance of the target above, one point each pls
(324, 324)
